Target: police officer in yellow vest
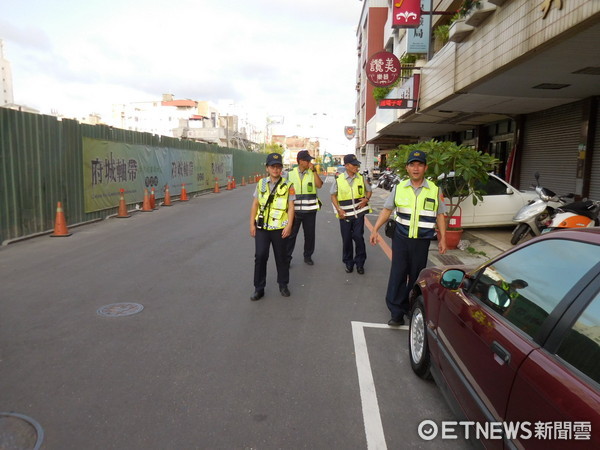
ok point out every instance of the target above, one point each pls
(419, 207)
(271, 219)
(306, 182)
(350, 196)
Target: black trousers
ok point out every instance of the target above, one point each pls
(409, 257)
(308, 221)
(263, 241)
(354, 251)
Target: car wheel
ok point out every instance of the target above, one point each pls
(519, 233)
(417, 341)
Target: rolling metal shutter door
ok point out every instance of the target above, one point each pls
(550, 142)
(595, 175)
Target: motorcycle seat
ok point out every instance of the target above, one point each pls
(584, 208)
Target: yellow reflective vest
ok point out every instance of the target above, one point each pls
(275, 216)
(306, 191)
(350, 196)
(416, 216)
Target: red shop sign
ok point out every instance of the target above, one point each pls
(406, 14)
(383, 69)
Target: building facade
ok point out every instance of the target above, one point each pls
(186, 119)
(6, 86)
(519, 79)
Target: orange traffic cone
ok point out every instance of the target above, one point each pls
(184, 196)
(153, 199)
(233, 182)
(243, 181)
(122, 214)
(228, 183)
(167, 201)
(60, 223)
(146, 205)
(216, 190)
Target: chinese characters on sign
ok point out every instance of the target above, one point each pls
(405, 96)
(396, 103)
(406, 14)
(383, 69)
(182, 168)
(419, 38)
(113, 170)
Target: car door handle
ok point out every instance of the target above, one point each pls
(500, 353)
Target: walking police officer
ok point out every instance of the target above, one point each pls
(418, 206)
(271, 219)
(350, 196)
(306, 182)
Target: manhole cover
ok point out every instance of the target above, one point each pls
(19, 432)
(120, 309)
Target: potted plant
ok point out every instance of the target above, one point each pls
(442, 34)
(466, 7)
(457, 169)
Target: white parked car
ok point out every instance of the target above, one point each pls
(499, 205)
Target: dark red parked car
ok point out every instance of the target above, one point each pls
(515, 343)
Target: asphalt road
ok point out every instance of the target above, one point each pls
(201, 366)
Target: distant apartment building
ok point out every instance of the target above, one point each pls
(293, 144)
(186, 119)
(519, 79)
(6, 86)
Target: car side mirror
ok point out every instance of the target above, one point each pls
(509, 191)
(452, 278)
(498, 296)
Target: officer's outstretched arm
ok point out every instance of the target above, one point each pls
(288, 228)
(253, 212)
(384, 215)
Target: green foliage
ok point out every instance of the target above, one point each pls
(470, 168)
(473, 251)
(442, 33)
(379, 93)
(273, 148)
(467, 6)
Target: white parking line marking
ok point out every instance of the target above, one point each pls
(368, 396)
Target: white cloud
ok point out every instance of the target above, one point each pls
(281, 58)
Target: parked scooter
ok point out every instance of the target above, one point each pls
(387, 180)
(366, 175)
(537, 215)
(580, 214)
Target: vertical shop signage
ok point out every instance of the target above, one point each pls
(407, 14)
(420, 37)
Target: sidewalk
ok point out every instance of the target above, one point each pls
(480, 244)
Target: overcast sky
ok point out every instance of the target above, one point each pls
(269, 57)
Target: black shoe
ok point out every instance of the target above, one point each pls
(257, 295)
(360, 270)
(309, 261)
(396, 322)
(349, 269)
(284, 291)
